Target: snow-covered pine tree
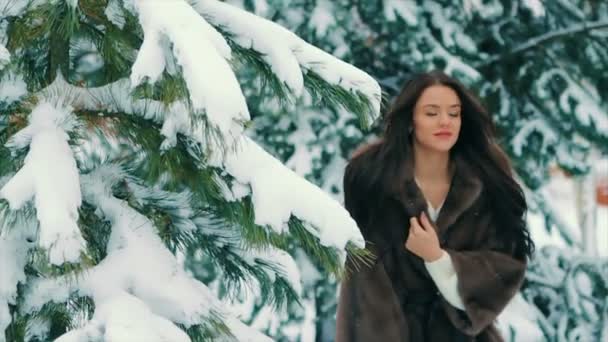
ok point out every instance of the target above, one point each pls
(540, 67)
(123, 151)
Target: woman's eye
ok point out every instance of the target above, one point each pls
(431, 114)
(454, 114)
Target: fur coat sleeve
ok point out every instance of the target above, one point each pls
(487, 280)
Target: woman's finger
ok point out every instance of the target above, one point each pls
(414, 225)
(426, 224)
(410, 233)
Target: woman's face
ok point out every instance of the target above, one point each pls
(437, 118)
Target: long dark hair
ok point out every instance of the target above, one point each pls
(381, 165)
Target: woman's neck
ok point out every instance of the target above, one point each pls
(430, 165)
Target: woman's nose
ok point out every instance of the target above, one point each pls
(444, 119)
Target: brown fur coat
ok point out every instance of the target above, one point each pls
(396, 299)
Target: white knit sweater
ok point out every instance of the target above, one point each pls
(442, 271)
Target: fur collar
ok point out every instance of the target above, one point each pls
(464, 190)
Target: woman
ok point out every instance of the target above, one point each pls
(437, 204)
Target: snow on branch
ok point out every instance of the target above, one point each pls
(244, 333)
(202, 53)
(139, 285)
(545, 38)
(275, 262)
(395, 8)
(49, 176)
(520, 140)
(115, 97)
(288, 55)
(138, 257)
(120, 318)
(15, 242)
(12, 8)
(278, 193)
(282, 265)
(5, 56)
(576, 100)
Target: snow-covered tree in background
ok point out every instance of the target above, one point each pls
(123, 157)
(540, 67)
(570, 295)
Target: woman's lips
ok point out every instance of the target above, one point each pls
(443, 135)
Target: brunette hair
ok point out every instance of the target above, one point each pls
(381, 165)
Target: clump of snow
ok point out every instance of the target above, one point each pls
(115, 14)
(5, 56)
(535, 6)
(403, 9)
(37, 329)
(485, 8)
(575, 99)
(15, 242)
(122, 317)
(10, 8)
(293, 57)
(274, 188)
(116, 97)
(72, 3)
(283, 265)
(204, 64)
(536, 125)
(12, 88)
(454, 65)
(49, 176)
(451, 32)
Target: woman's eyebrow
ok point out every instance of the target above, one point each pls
(437, 106)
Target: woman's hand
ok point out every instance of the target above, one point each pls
(422, 239)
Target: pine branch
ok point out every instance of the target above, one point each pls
(268, 79)
(327, 257)
(63, 22)
(212, 331)
(143, 125)
(323, 93)
(539, 41)
(164, 209)
(328, 95)
(183, 171)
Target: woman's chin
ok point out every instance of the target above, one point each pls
(441, 148)
(436, 145)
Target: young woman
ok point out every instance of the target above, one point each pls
(437, 204)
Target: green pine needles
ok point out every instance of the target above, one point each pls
(146, 155)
